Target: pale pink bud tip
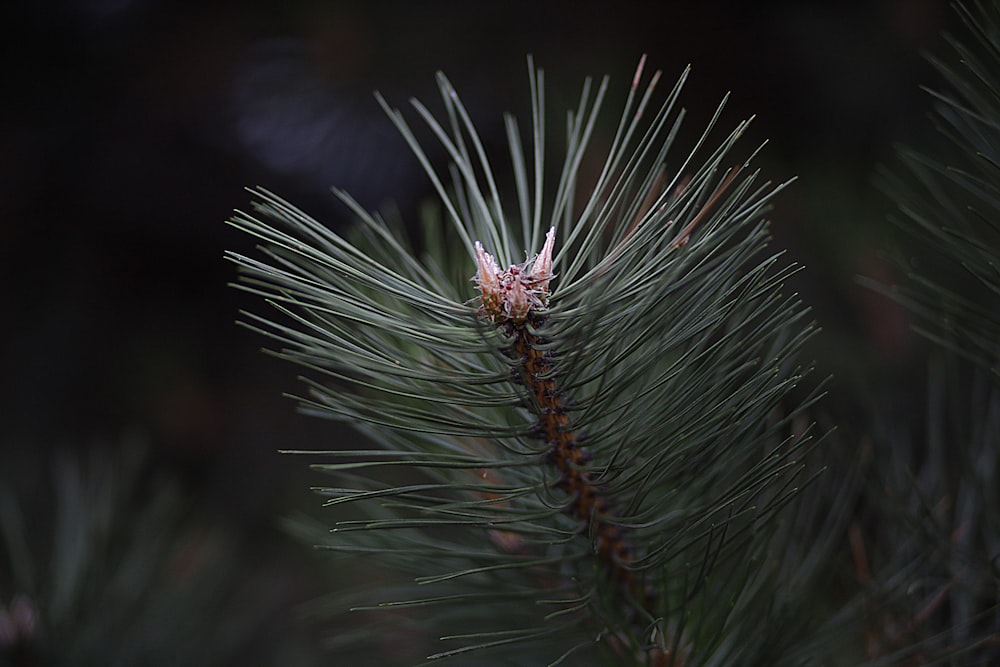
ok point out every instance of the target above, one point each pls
(487, 269)
(541, 269)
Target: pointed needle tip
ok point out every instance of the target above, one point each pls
(638, 72)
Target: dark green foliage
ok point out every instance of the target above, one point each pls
(669, 352)
(666, 334)
(105, 564)
(951, 199)
(931, 534)
(928, 536)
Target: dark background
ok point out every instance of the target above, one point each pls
(128, 129)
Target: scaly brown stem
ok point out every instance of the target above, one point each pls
(589, 502)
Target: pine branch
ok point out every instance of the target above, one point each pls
(589, 450)
(925, 545)
(929, 570)
(105, 563)
(952, 202)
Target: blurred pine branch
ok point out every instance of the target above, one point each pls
(106, 564)
(950, 199)
(926, 542)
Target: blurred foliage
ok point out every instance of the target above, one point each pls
(105, 562)
(950, 199)
(926, 540)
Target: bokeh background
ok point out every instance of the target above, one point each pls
(129, 128)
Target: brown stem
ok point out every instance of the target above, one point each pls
(589, 503)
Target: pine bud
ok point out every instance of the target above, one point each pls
(511, 295)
